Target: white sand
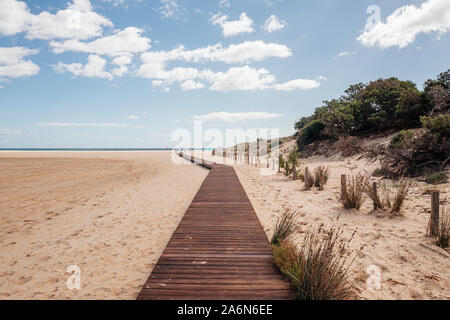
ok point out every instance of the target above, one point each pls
(110, 213)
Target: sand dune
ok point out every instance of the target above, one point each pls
(109, 213)
(412, 267)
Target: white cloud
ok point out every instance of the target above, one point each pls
(13, 17)
(76, 21)
(129, 40)
(154, 62)
(170, 9)
(240, 78)
(123, 3)
(74, 124)
(405, 23)
(274, 24)
(224, 3)
(191, 85)
(344, 54)
(11, 132)
(13, 65)
(298, 84)
(237, 78)
(94, 68)
(133, 117)
(247, 78)
(233, 27)
(237, 116)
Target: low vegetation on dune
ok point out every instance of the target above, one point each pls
(318, 268)
(323, 172)
(309, 180)
(284, 227)
(436, 178)
(353, 195)
(419, 119)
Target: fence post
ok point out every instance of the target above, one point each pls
(434, 225)
(343, 186)
(375, 192)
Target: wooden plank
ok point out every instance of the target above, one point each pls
(219, 250)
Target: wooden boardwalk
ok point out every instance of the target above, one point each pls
(219, 250)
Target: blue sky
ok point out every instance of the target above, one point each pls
(109, 73)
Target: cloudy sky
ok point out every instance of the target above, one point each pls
(127, 73)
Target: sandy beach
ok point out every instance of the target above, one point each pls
(109, 213)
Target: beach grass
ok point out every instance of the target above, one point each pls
(318, 268)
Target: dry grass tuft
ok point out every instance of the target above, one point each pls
(325, 173)
(309, 180)
(385, 201)
(319, 269)
(285, 227)
(353, 197)
(373, 194)
(395, 204)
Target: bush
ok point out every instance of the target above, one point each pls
(439, 125)
(284, 228)
(353, 196)
(402, 139)
(311, 132)
(436, 178)
(319, 269)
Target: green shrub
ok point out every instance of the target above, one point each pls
(436, 178)
(439, 125)
(311, 132)
(402, 139)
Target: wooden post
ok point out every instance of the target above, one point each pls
(279, 166)
(343, 185)
(320, 180)
(267, 163)
(294, 172)
(374, 186)
(434, 225)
